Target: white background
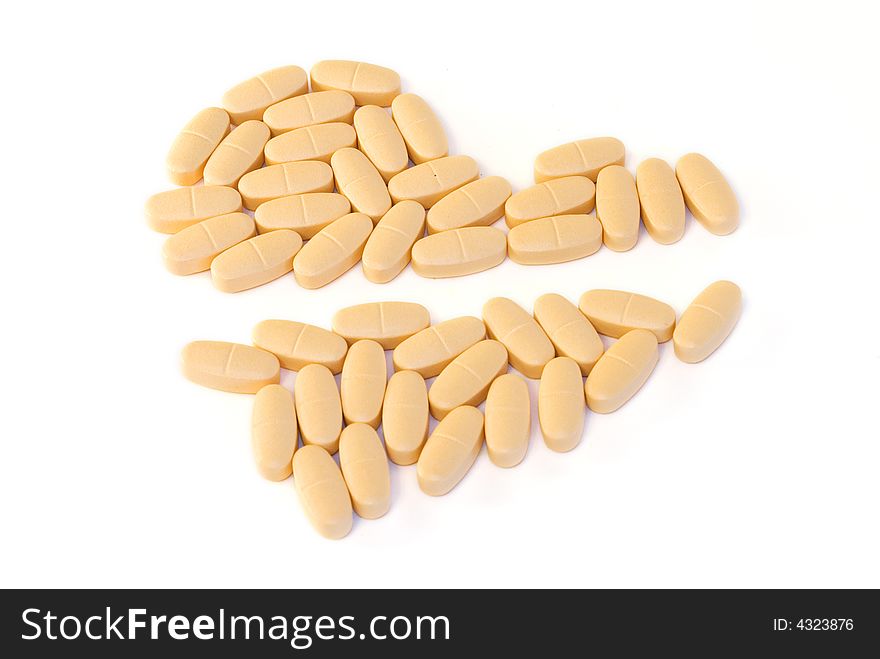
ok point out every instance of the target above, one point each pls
(758, 467)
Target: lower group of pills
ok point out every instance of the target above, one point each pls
(466, 360)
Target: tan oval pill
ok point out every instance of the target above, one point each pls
(528, 346)
(239, 153)
(194, 145)
(554, 239)
(309, 110)
(621, 371)
(429, 182)
(174, 210)
(379, 140)
(570, 195)
(305, 213)
(708, 194)
(617, 208)
(193, 249)
(318, 407)
(249, 99)
(389, 247)
(508, 420)
(459, 252)
(707, 321)
(614, 313)
(450, 451)
(298, 344)
(387, 323)
(310, 143)
(289, 178)
(273, 432)
(430, 351)
(466, 380)
(569, 331)
(370, 84)
(405, 417)
(333, 251)
(477, 204)
(322, 492)
(661, 201)
(256, 261)
(361, 183)
(561, 404)
(365, 469)
(580, 158)
(229, 366)
(421, 129)
(362, 386)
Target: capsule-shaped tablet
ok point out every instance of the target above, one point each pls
(389, 247)
(240, 152)
(322, 492)
(477, 204)
(528, 346)
(256, 261)
(333, 251)
(429, 182)
(290, 178)
(379, 140)
(621, 371)
(365, 469)
(370, 84)
(617, 208)
(707, 194)
(614, 313)
(430, 351)
(508, 420)
(405, 417)
(231, 367)
(661, 201)
(387, 323)
(561, 408)
(450, 451)
(249, 99)
(707, 322)
(466, 380)
(459, 252)
(174, 210)
(193, 249)
(318, 407)
(273, 432)
(570, 195)
(420, 127)
(306, 213)
(193, 146)
(299, 344)
(362, 386)
(361, 183)
(318, 142)
(309, 110)
(580, 158)
(569, 331)
(554, 239)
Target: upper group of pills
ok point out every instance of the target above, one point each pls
(345, 181)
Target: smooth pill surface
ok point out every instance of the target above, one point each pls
(405, 417)
(661, 201)
(318, 407)
(231, 367)
(526, 342)
(193, 249)
(322, 492)
(430, 351)
(318, 142)
(362, 385)
(249, 99)
(429, 182)
(561, 410)
(621, 371)
(459, 252)
(617, 208)
(466, 380)
(273, 432)
(614, 313)
(333, 251)
(421, 129)
(379, 140)
(563, 196)
(306, 213)
(389, 247)
(370, 84)
(298, 344)
(554, 239)
(387, 323)
(508, 420)
(361, 183)
(477, 204)
(263, 185)
(569, 331)
(239, 153)
(707, 322)
(450, 451)
(194, 145)
(707, 194)
(256, 261)
(580, 158)
(174, 210)
(309, 110)
(365, 469)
